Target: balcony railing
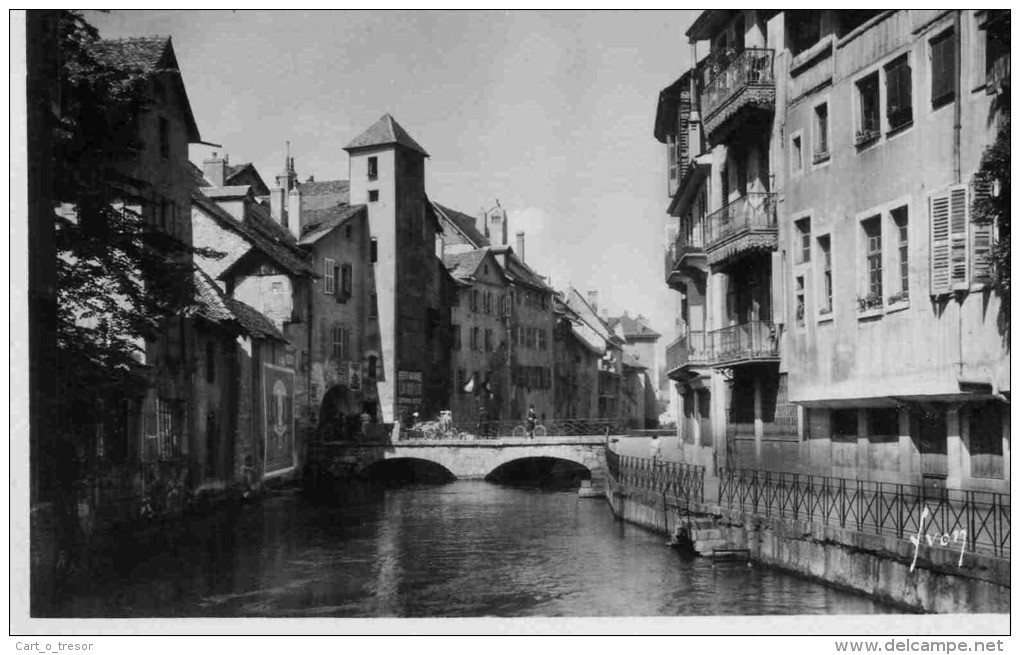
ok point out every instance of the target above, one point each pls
(689, 350)
(753, 211)
(755, 340)
(683, 248)
(747, 71)
(751, 340)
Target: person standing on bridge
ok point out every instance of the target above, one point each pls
(656, 449)
(532, 420)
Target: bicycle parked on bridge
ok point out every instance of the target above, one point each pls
(443, 428)
(521, 431)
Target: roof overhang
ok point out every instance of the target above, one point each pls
(669, 100)
(690, 184)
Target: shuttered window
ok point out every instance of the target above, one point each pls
(950, 249)
(899, 105)
(982, 238)
(943, 69)
(329, 276)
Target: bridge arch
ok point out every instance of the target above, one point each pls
(540, 469)
(407, 470)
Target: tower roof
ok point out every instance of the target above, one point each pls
(385, 131)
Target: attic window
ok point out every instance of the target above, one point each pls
(348, 232)
(373, 195)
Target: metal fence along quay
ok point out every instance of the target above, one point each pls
(899, 510)
(685, 481)
(502, 429)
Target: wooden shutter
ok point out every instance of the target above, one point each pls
(778, 297)
(938, 210)
(982, 237)
(959, 250)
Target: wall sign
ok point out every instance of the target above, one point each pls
(278, 398)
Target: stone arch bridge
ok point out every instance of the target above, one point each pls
(466, 459)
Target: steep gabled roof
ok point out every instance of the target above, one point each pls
(246, 174)
(327, 193)
(463, 224)
(632, 327)
(593, 327)
(147, 56)
(464, 265)
(385, 131)
(630, 361)
(216, 307)
(320, 222)
(518, 271)
(278, 254)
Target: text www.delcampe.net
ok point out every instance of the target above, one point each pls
(919, 646)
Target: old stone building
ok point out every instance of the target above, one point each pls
(849, 330)
(530, 318)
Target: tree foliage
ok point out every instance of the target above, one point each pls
(119, 278)
(994, 209)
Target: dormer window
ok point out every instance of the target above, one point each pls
(373, 168)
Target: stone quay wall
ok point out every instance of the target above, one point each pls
(880, 566)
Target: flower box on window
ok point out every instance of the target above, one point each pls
(901, 297)
(868, 302)
(865, 136)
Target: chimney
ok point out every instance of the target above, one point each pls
(294, 212)
(482, 223)
(520, 246)
(215, 170)
(498, 232)
(593, 300)
(288, 178)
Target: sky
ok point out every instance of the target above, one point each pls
(550, 113)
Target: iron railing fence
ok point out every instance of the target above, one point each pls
(751, 211)
(981, 520)
(728, 75)
(685, 481)
(750, 340)
(502, 429)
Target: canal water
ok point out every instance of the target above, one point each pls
(467, 548)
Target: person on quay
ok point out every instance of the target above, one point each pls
(656, 449)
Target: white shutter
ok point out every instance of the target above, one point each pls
(938, 210)
(959, 248)
(982, 237)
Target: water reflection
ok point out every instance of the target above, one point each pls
(460, 549)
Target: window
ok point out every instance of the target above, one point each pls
(899, 217)
(210, 361)
(804, 233)
(488, 340)
(461, 379)
(821, 133)
(473, 300)
(899, 109)
(843, 424)
(804, 29)
(164, 138)
(348, 232)
(873, 239)
(869, 126)
(943, 69)
(796, 154)
(277, 287)
(825, 248)
(474, 338)
(168, 427)
(373, 168)
(373, 195)
(341, 343)
(985, 427)
(456, 336)
(542, 340)
(347, 280)
(373, 367)
(883, 422)
(800, 300)
(487, 303)
(373, 250)
(329, 276)
(373, 306)
(996, 48)
(164, 214)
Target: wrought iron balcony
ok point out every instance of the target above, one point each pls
(735, 82)
(746, 224)
(746, 342)
(753, 341)
(684, 258)
(689, 350)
